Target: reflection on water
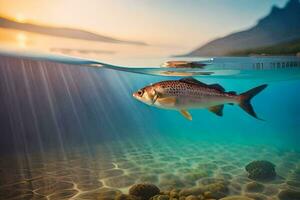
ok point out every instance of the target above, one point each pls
(22, 40)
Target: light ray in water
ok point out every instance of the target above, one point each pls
(52, 102)
(69, 96)
(26, 72)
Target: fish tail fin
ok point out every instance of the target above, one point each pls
(245, 100)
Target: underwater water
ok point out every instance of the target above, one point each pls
(71, 132)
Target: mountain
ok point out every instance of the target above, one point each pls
(286, 48)
(281, 25)
(62, 32)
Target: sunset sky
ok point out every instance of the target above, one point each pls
(181, 24)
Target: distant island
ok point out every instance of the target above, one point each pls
(62, 32)
(276, 34)
(286, 48)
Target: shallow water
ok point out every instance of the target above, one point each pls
(76, 132)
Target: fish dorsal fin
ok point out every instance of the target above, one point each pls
(186, 114)
(217, 87)
(193, 81)
(218, 110)
(232, 92)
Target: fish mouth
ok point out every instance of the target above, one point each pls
(136, 95)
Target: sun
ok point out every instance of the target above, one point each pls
(20, 18)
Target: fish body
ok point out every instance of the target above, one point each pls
(189, 93)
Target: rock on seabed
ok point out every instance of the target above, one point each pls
(144, 190)
(261, 170)
(236, 198)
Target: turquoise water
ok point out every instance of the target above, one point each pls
(75, 132)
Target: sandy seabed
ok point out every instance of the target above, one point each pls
(176, 167)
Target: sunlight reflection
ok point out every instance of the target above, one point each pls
(22, 40)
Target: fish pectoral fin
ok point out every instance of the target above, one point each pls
(154, 98)
(167, 100)
(186, 114)
(218, 110)
(156, 94)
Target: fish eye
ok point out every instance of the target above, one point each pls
(140, 92)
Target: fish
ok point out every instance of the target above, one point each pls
(189, 93)
(183, 64)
